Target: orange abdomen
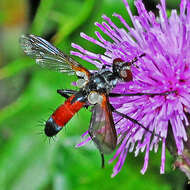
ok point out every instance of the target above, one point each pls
(66, 111)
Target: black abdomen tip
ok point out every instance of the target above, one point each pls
(51, 128)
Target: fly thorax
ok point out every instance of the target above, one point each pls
(103, 81)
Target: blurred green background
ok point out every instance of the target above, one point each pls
(28, 96)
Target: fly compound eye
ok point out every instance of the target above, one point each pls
(126, 74)
(94, 98)
(81, 83)
(117, 60)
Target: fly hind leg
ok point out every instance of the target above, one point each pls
(133, 120)
(67, 93)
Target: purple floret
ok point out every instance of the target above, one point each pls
(165, 68)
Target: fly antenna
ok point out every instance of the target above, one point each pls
(136, 59)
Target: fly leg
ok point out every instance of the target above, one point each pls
(103, 160)
(66, 94)
(133, 120)
(141, 94)
(137, 94)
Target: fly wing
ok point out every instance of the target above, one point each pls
(48, 56)
(102, 129)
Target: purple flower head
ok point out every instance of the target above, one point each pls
(164, 68)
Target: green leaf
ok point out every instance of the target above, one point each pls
(15, 67)
(26, 161)
(42, 17)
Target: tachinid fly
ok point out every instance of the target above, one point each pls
(94, 90)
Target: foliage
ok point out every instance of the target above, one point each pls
(27, 160)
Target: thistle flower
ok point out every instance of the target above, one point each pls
(166, 43)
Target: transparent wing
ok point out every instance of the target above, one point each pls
(102, 128)
(48, 56)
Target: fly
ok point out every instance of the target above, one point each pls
(94, 89)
